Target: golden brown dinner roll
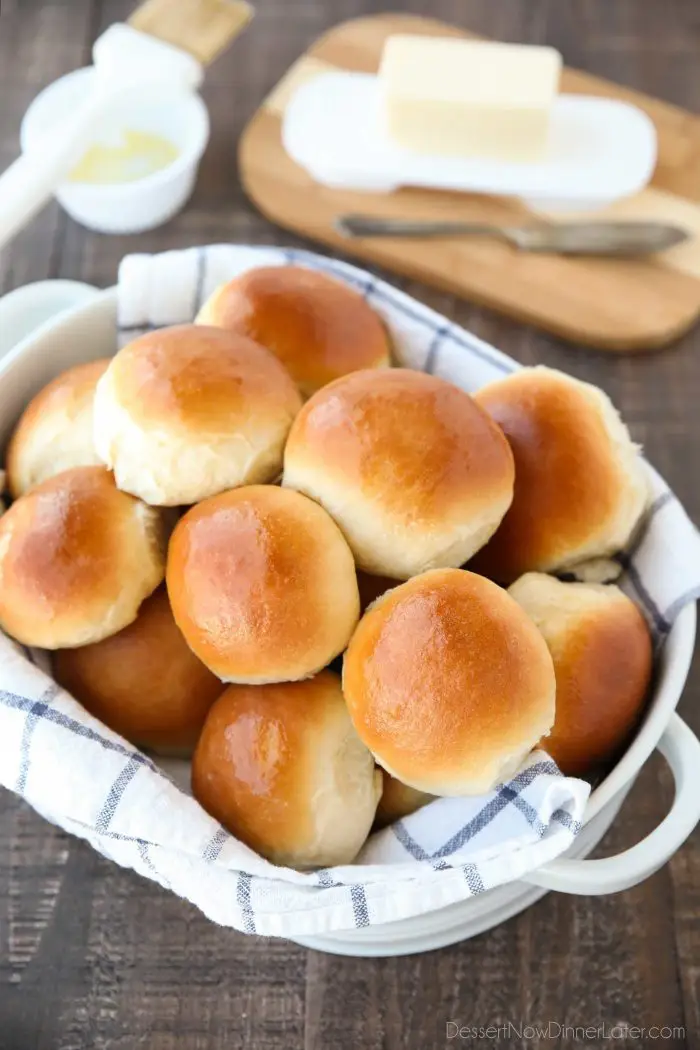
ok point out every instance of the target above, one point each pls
(580, 484)
(602, 661)
(186, 412)
(283, 769)
(398, 800)
(449, 683)
(144, 682)
(414, 472)
(319, 328)
(77, 558)
(55, 430)
(262, 585)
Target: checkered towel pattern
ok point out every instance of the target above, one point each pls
(138, 812)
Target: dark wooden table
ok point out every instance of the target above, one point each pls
(94, 957)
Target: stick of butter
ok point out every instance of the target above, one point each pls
(443, 95)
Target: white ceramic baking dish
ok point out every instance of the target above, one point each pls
(85, 331)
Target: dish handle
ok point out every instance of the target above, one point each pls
(26, 310)
(681, 749)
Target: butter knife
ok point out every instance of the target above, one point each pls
(565, 238)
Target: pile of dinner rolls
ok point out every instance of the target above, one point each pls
(202, 525)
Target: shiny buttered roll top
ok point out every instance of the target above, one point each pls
(580, 483)
(414, 472)
(144, 682)
(283, 769)
(77, 559)
(262, 585)
(184, 413)
(449, 683)
(602, 655)
(319, 328)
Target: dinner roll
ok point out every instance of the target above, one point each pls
(318, 327)
(77, 558)
(184, 413)
(414, 472)
(580, 483)
(55, 430)
(398, 800)
(144, 682)
(283, 769)
(262, 585)
(602, 661)
(449, 683)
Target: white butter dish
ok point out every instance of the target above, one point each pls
(600, 150)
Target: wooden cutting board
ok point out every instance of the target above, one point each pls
(616, 305)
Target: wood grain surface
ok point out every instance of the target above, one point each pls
(94, 958)
(617, 305)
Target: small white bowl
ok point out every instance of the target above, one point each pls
(143, 204)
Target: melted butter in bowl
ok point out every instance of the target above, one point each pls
(134, 155)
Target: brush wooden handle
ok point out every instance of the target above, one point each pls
(204, 28)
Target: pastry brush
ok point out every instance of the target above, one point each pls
(162, 50)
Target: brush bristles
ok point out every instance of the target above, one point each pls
(204, 28)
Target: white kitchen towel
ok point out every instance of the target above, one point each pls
(138, 812)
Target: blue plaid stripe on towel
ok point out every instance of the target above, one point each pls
(138, 812)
